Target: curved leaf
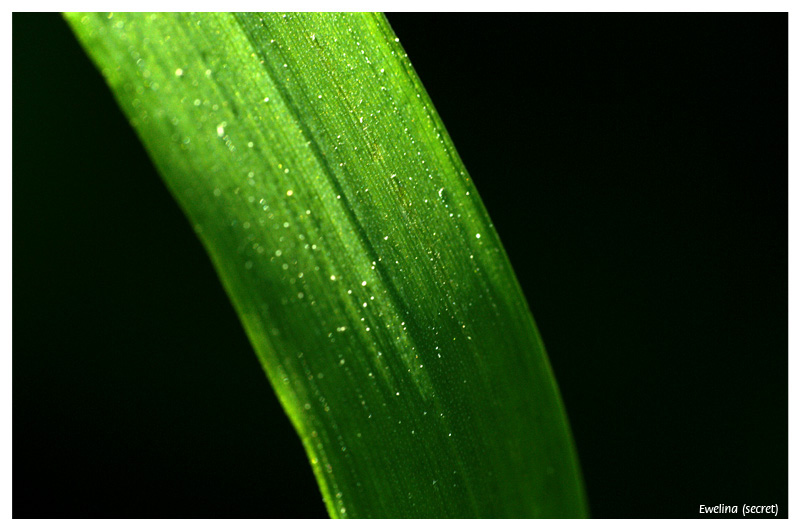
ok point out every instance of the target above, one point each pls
(357, 252)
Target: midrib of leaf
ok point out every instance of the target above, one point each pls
(436, 398)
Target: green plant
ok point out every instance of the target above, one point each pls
(357, 253)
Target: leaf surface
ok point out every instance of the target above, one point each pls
(357, 252)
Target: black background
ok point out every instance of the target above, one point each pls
(635, 167)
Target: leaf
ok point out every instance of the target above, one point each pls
(357, 252)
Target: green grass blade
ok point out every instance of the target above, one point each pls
(357, 252)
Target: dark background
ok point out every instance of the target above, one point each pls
(635, 168)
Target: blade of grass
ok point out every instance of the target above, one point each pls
(357, 252)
